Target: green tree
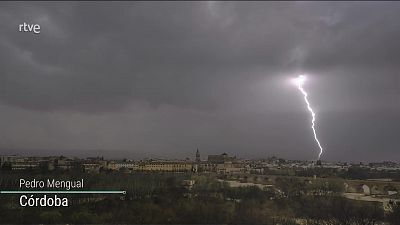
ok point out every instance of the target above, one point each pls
(84, 217)
(53, 216)
(394, 215)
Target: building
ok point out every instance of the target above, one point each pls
(222, 164)
(219, 159)
(126, 166)
(4, 159)
(166, 166)
(94, 164)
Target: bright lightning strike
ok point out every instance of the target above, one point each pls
(299, 81)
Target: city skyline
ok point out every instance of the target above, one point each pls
(127, 155)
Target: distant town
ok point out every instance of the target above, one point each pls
(221, 164)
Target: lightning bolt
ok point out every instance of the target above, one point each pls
(299, 81)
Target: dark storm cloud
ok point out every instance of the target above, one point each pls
(167, 77)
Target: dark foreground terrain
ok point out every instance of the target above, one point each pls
(167, 198)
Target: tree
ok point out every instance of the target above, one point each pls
(394, 216)
(51, 217)
(83, 217)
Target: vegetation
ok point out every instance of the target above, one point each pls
(160, 198)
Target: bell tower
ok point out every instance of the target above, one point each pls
(197, 156)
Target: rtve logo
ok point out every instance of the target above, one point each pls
(35, 28)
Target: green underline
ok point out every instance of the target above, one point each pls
(61, 192)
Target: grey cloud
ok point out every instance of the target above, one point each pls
(186, 64)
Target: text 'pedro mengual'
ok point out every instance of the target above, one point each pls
(51, 183)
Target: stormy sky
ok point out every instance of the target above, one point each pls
(161, 79)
